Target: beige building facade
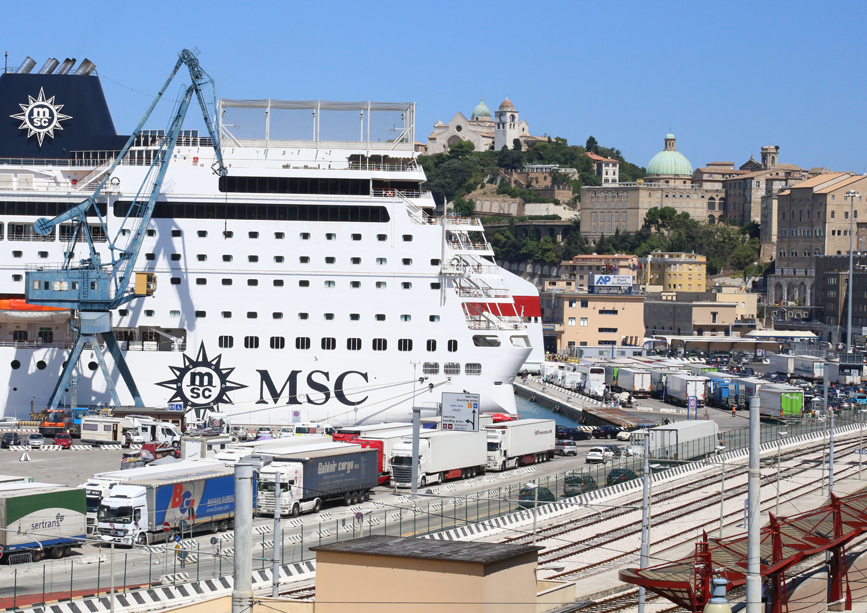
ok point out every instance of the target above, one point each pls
(581, 267)
(744, 192)
(681, 317)
(674, 271)
(581, 319)
(607, 169)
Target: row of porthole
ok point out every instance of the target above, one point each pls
(41, 365)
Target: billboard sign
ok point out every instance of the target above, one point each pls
(611, 281)
(460, 412)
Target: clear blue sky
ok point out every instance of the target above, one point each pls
(726, 78)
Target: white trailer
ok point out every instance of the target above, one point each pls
(747, 387)
(636, 382)
(591, 372)
(809, 367)
(781, 363)
(658, 377)
(519, 443)
(442, 455)
(843, 374)
(679, 388)
(683, 440)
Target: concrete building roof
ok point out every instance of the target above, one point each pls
(429, 549)
(821, 179)
(835, 186)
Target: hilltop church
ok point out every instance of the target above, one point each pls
(485, 130)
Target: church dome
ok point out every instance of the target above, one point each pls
(482, 111)
(507, 105)
(669, 162)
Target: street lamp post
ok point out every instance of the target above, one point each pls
(535, 487)
(720, 449)
(851, 194)
(780, 436)
(860, 439)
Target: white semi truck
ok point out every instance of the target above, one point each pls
(683, 440)
(636, 382)
(520, 443)
(680, 388)
(443, 455)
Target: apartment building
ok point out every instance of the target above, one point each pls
(674, 271)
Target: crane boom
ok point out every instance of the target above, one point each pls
(93, 287)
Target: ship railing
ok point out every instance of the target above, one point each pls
(37, 344)
(469, 246)
(494, 323)
(476, 292)
(462, 222)
(400, 193)
(375, 166)
(465, 269)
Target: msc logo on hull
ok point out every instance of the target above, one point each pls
(40, 117)
(201, 382)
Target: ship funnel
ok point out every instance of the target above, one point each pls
(85, 68)
(66, 66)
(27, 65)
(49, 66)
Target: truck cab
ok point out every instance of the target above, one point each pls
(292, 500)
(496, 453)
(120, 515)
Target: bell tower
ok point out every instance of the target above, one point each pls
(506, 121)
(769, 156)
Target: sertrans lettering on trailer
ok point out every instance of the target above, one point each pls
(201, 499)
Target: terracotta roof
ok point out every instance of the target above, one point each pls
(598, 158)
(721, 170)
(788, 167)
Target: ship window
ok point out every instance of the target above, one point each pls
(201, 314)
(20, 254)
(431, 344)
(251, 342)
(279, 259)
(353, 344)
(176, 233)
(43, 254)
(356, 260)
(253, 234)
(451, 368)
(435, 285)
(380, 317)
(303, 283)
(278, 282)
(330, 260)
(123, 312)
(17, 278)
(148, 256)
(380, 344)
(356, 237)
(407, 238)
(434, 318)
(204, 234)
(381, 237)
(430, 368)
(407, 261)
(302, 342)
(381, 285)
(151, 232)
(226, 314)
(453, 346)
(201, 257)
(226, 342)
(149, 313)
(177, 281)
(278, 342)
(435, 262)
(473, 369)
(329, 284)
(304, 259)
(355, 284)
(329, 344)
(252, 315)
(19, 335)
(276, 315)
(174, 313)
(406, 285)
(228, 234)
(295, 185)
(252, 258)
(329, 316)
(279, 235)
(176, 257)
(330, 236)
(125, 232)
(252, 282)
(305, 236)
(226, 281)
(381, 261)
(481, 340)
(354, 317)
(406, 317)
(227, 258)
(404, 344)
(303, 316)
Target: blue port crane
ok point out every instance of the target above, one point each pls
(94, 288)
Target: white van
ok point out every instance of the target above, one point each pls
(307, 429)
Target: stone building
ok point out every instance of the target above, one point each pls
(669, 166)
(744, 191)
(684, 317)
(713, 175)
(674, 271)
(607, 169)
(813, 220)
(579, 268)
(485, 130)
(832, 296)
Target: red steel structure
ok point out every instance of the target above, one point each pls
(785, 541)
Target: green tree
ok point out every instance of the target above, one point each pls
(591, 145)
(463, 207)
(462, 148)
(516, 144)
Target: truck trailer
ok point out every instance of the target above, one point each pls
(844, 374)
(347, 434)
(443, 455)
(781, 363)
(636, 382)
(308, 479)
(809, 367)
(520, 443)
(781, 401)
(41, 519)
(679, 388)
(384, 443)
(683, 440)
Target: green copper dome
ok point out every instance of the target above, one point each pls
(482, 111)
(669, 161)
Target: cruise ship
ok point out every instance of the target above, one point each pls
(313, 283)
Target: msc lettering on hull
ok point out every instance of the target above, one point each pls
(317, 381)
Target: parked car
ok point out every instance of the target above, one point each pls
(9, 439)
(599, 454)
(8, 423)
(620, 475)
(63, 439)
(615, 450)
(578, 484)
(606, 431)
(565, 447)
(572, 434)
(264, 434)
(527, 497)
(240, 432)
(35, 440)
(625, 435)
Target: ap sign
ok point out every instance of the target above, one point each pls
(612, 280)
(460, 412)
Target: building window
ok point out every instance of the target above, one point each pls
(278, 342)
(572, 321)
(451, 368)
(226, 342)
(583, 322)
(380, 344)
(612, 311)
(328, 343)
(353, 344)
(713, 316)
(608, 330)
(251, 342)
(431, 344)
(584, 304)
(452, 346)
(404, 344)
(473, 369)
(302, 342)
